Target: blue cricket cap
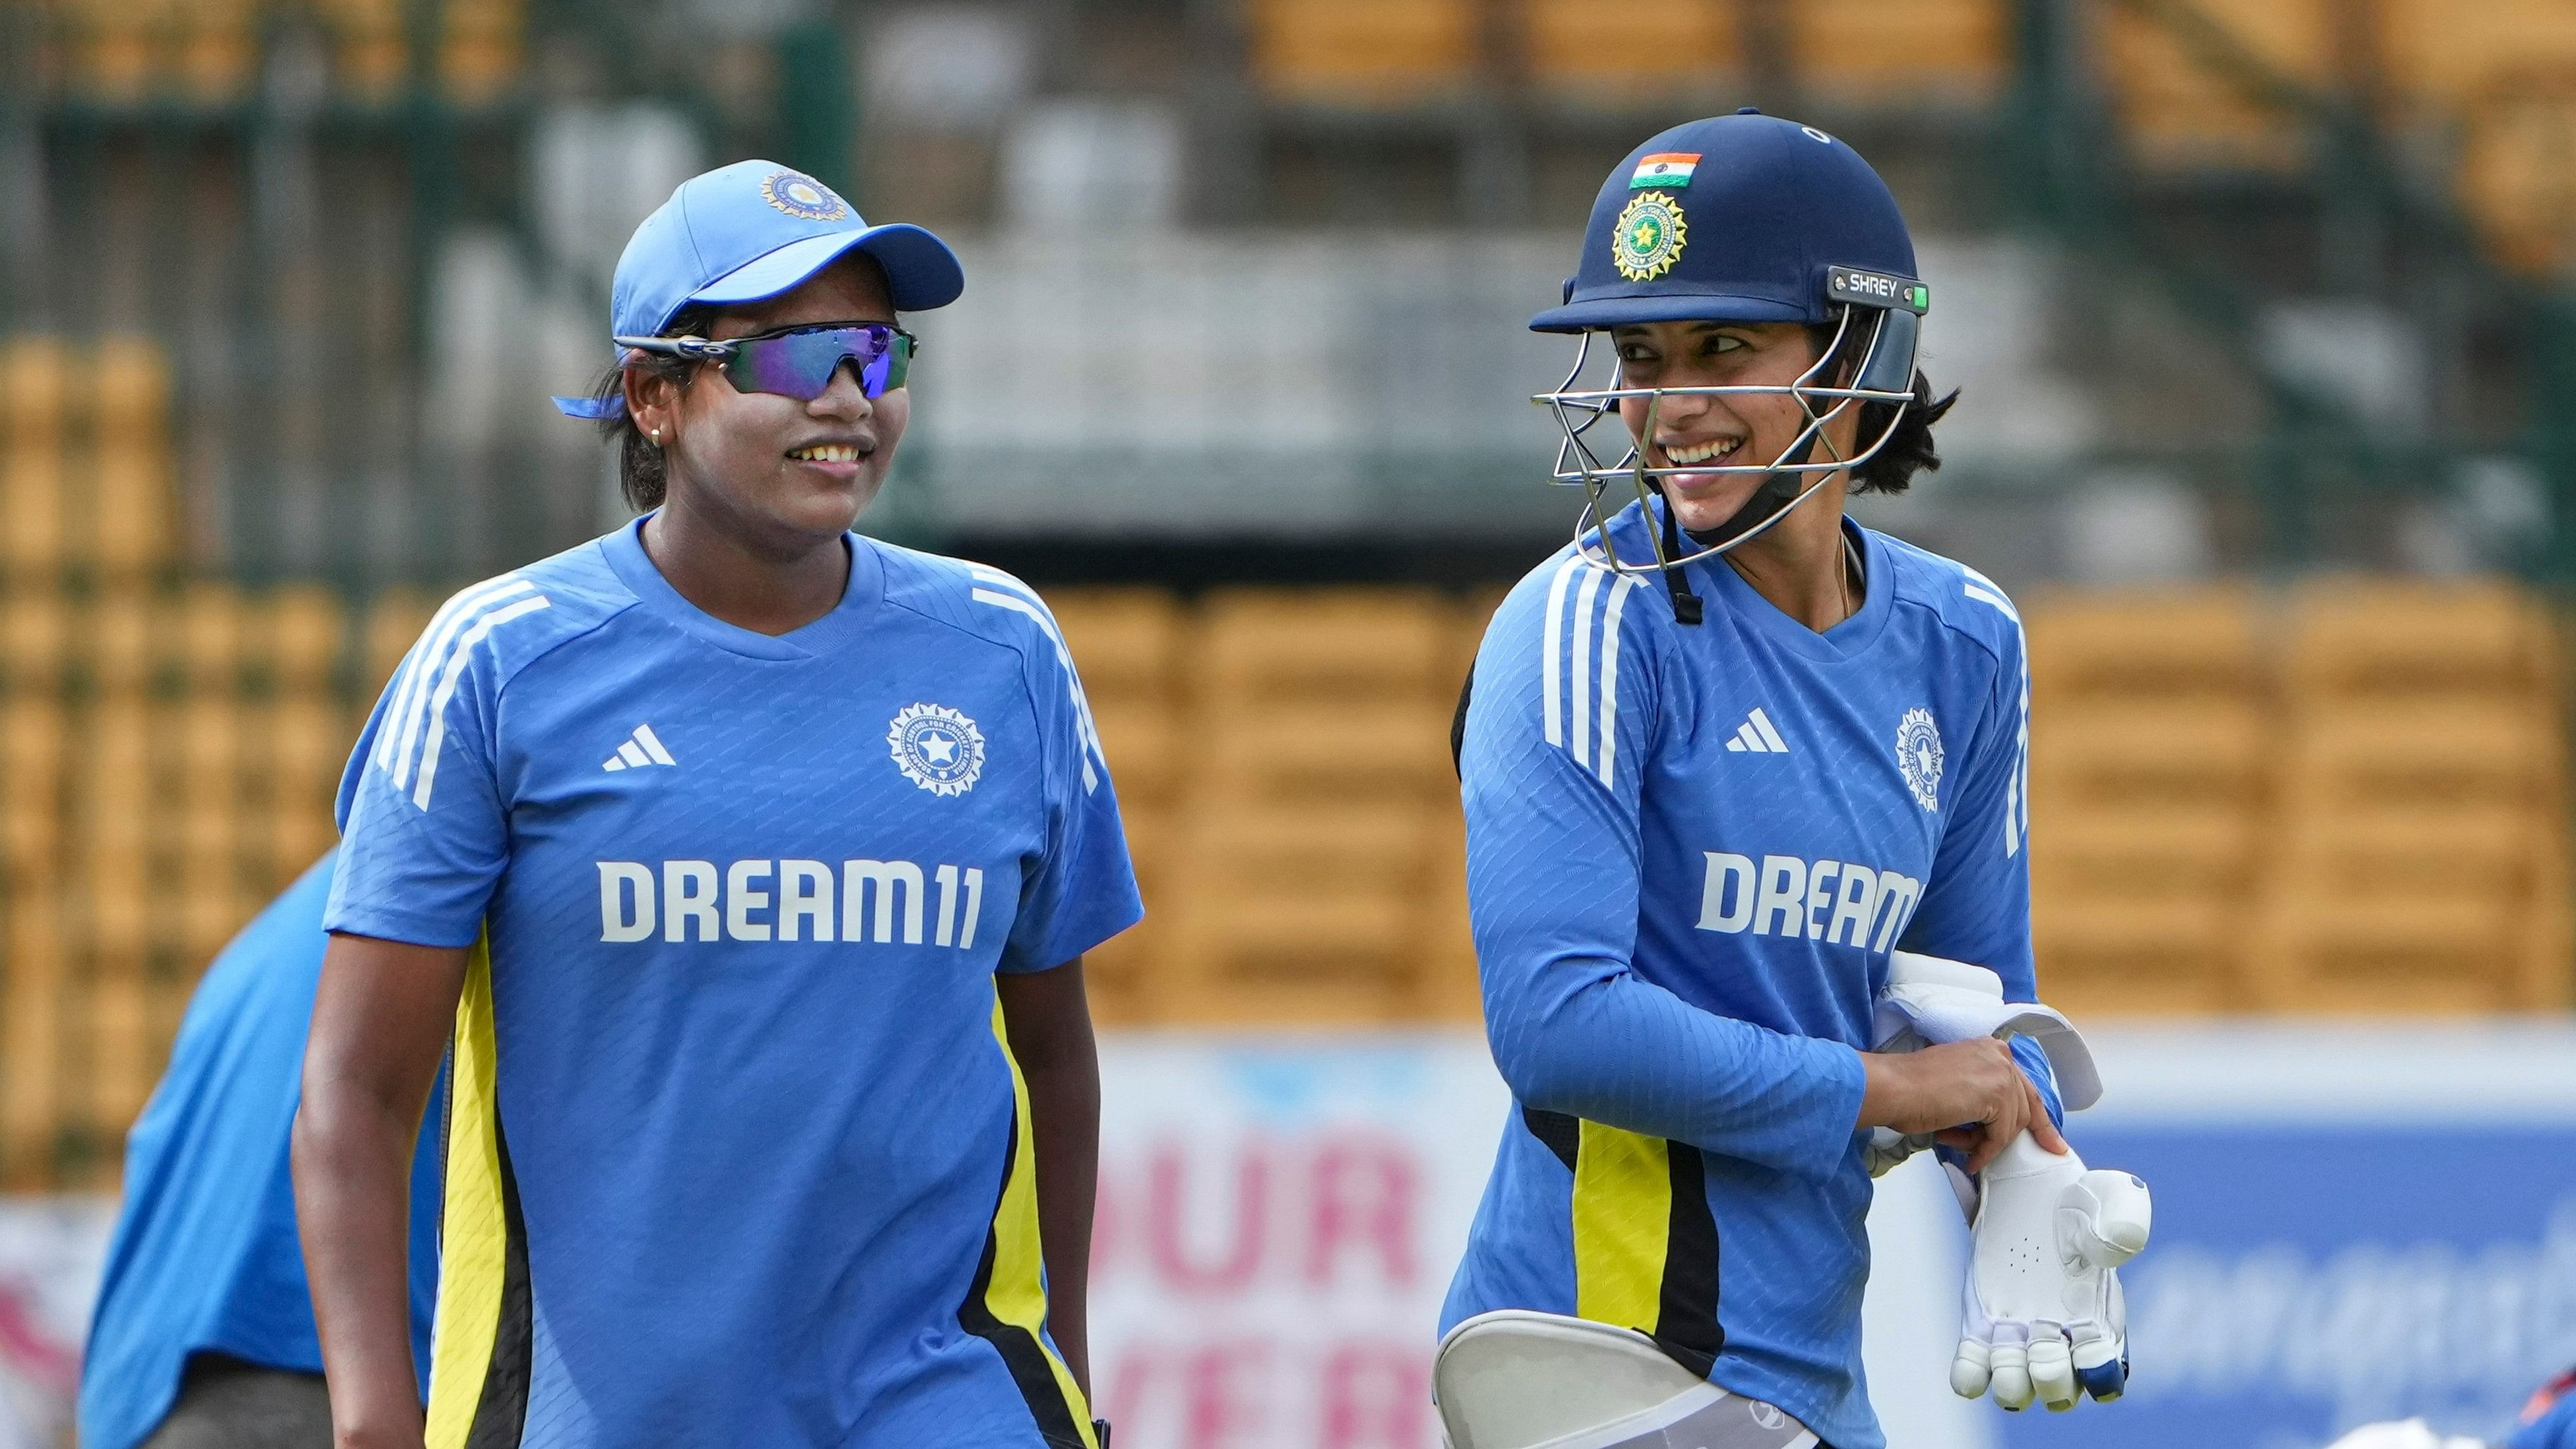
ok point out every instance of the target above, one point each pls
(750, 231)
(1741, 218)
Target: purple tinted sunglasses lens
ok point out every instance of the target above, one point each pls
(801, 364)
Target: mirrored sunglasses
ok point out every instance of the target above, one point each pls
(799, 362)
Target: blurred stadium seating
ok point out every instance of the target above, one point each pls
(2346, 796)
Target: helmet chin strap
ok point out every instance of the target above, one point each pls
(1780, 488)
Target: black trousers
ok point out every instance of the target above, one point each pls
(225, 1403)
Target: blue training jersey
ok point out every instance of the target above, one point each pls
(737, 1152)
(204, 1258)
(1690, 851)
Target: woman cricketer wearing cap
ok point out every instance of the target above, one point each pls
(745, 866)
(1725, 754)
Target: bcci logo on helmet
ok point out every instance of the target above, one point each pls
(1918, 756)
(937, 748)
(802, 197)
(1649, 237)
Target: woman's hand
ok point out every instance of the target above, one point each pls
(1972, 1095)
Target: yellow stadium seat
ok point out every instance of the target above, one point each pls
(2138, 955)
(1145, 747)
(1261, 647)
(2148, 750)
(1359, 751)
(303, 631)
(1653, 46)
(395, 619)
(116, 794)
(1125, 974)
(2449, 54)
(35, 635)
(370, 59)
(1364, 51)
(1126, 643)
(119, 643)
(480, 55)
(1290, 916)
(2183, 110)
(130, 521)
(1882, 51)
(2142, 846)
(2351, 637)
(31, 497)
(219, 49)
(204, 629)
(34, 393)
(116, 48)
(31, 764)
(2126, 643)
(31, 1057)
(2415, 950)
(130, 381)
(122, 1063)
(2455, 752)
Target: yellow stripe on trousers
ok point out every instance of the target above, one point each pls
(474, 1233)
(1623, 1201)
(1015, 1294)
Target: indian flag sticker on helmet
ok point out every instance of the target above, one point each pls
(1664, 168)
(1649, 237)
(802, 196)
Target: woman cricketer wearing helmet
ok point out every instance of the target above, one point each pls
(1725, 753)
(744, 865)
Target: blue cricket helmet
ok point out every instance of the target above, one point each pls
(1741, 218)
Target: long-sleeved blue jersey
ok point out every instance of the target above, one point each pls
(1690, 851)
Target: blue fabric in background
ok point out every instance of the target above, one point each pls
(205, 1257)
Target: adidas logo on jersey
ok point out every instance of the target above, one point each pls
(1756, 737)
(641, 748)
(790, 900)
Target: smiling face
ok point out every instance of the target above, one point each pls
(1735, 429)
(779, 471)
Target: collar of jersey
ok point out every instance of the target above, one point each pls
(1848, 639)
(859, 598)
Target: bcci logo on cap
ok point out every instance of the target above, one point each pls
(1918, 756)
(802, 197)
(1649, 237)
(937, 748)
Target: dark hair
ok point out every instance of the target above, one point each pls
(1909, 450)
(642, 472)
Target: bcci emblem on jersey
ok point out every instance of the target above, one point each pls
(1918, 756)
(937, 748)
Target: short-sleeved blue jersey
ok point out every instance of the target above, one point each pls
(1690, 851)
(737, 1154)
(205, 1257)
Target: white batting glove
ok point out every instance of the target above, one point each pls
(2042, 1317)
(2413, 1434)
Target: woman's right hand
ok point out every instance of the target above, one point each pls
(1973, 1095)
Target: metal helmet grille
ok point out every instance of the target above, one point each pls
(1580, 457)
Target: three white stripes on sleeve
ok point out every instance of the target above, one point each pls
(1009, 593)
(419, 711)
(1579, 704)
